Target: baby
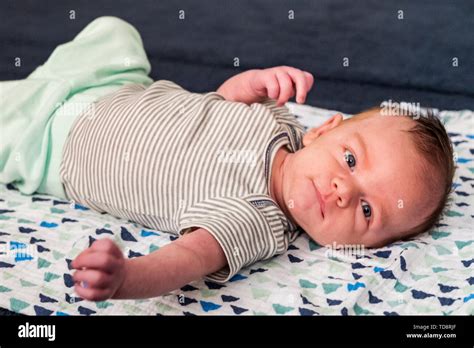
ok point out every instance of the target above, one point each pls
(235, 176)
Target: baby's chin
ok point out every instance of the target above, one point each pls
(321, 239)
(327, 241)
(332, 240)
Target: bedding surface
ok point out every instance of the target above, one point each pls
(430, 274)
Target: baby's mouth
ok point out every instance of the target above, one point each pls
(320, 200)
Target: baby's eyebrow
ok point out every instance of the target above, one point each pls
(383, 217)
(361, 144)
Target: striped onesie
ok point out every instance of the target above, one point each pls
(173, 160)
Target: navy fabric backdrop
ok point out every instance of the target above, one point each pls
(389, 58)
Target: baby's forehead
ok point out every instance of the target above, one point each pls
(406, 217)
(397, 171)
(403, 212)
(376, 119)
(388, 135)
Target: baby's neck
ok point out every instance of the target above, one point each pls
(277, 179)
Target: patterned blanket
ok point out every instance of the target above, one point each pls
(430, 274)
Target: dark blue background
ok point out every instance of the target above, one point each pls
(409, 59)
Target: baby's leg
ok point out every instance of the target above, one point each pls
(38, 112)
(108, 50)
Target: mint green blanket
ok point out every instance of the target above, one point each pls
(36, 113)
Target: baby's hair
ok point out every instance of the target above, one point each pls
(433, 144)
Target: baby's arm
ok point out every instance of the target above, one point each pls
(109, 275)
(252, 86)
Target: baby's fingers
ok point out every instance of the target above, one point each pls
(300, 81)
(92, 279)
(108, 246)
(96, 260)
(309, 80)
(286, 88)
(93, 294)
(271, 85)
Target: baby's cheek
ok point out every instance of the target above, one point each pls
(303, 202)
(306, 195)
(300, 206)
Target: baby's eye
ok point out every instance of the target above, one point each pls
(350, 159)
(366, 210)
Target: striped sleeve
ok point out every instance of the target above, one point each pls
(287, 121)
(248, 230)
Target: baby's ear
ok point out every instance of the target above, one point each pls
(316, 132)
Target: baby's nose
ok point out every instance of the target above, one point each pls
(345, 192)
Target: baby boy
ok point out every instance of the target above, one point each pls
(369, 180)
(235, 176)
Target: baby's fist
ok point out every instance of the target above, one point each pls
(101, 270)
(282, 83)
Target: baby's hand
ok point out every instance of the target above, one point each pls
(280, 82)
(101, 271)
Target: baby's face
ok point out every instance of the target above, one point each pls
(357, 182)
